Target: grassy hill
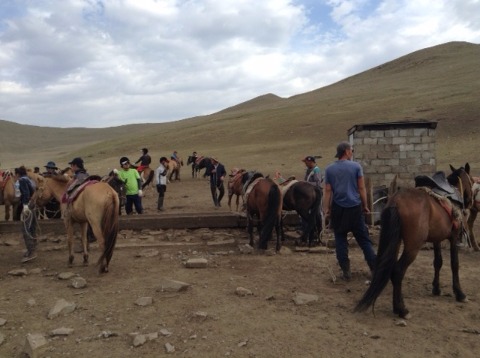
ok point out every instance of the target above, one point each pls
(270, 133)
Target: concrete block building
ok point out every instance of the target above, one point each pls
(406, 149)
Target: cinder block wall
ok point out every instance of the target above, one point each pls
(405, 149)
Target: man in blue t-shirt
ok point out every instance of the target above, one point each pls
(345, 202)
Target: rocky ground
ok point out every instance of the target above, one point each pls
(205, 293)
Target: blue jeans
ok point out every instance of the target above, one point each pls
(360, 232)
(133, 200)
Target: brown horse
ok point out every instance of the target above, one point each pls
(235, 186)
(306, 200)
(7, 194)
(416, 216)
(96, 205)
(264, 206)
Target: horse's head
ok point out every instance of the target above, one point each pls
(43, 194)
(461, 179)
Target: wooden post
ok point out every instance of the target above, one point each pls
(369, 187)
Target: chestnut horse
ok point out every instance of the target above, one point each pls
(235, 186)
(96, 205)
(264, 207)
(7, 193)
(473, 214)
(173, 169)
(416, 216)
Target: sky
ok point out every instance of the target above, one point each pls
(105, 63)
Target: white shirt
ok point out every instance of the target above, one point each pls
(161, 179)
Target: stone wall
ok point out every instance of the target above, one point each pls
(384, 152)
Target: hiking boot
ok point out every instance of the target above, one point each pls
(31, 256)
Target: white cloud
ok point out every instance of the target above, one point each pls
(102, 63)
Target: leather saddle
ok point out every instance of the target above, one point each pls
(439, 184)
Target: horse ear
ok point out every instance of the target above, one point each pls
(467, 168)
(452, 168)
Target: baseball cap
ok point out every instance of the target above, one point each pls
(77, 161)
(309, 158)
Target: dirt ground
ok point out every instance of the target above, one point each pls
(211, 318)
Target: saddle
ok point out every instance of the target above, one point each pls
(71, 195)
(439, 184)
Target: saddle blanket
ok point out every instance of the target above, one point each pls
(70, 198)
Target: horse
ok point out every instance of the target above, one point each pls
(118, 185)
(473, 214)
(146, 174)
(263, 206)
(235, 186)
(95, 204)
(191, 160)
(416, 216)
(173, 168)
(204, 162)
(7, 194)
(306, 200)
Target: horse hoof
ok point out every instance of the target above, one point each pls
(464, 300)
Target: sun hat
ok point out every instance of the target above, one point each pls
(51, 165)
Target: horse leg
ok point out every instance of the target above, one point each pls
(459, 295)
(279, 233)
(470, 222)
(7, 211)
(398, 274)
(437, 264)
(230, 200)
(69, 225)
(250, 230)
(84, 227)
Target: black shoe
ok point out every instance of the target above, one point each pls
(31, 256)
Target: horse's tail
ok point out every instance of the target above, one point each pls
(314, 218)
(109, 231)
(390, 238)
(272, 217)
(149, 179)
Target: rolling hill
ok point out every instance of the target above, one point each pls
(270, 133)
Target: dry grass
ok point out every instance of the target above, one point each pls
(268, 133)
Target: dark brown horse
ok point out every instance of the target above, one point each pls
(119, 186)
(264, 207)
(305, 199)
(416, 216)
(96, 205)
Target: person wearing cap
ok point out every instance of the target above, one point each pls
(175, 157)
(144, 160)
(312, 174)
(345, 202)
(51, 169)
(161, 181)
(133, 186)
(217, 177)
(79, 174)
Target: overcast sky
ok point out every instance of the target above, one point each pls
(103, 63)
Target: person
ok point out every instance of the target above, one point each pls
(51, 168)
(161, 181)
(79, 174)
(133, 185)
(345, 202)
(175, 157)
(36, 170)
(312, 174)
(144, 160)
(28, 217)
(52, 208)
(193, 159)
(217, 177)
